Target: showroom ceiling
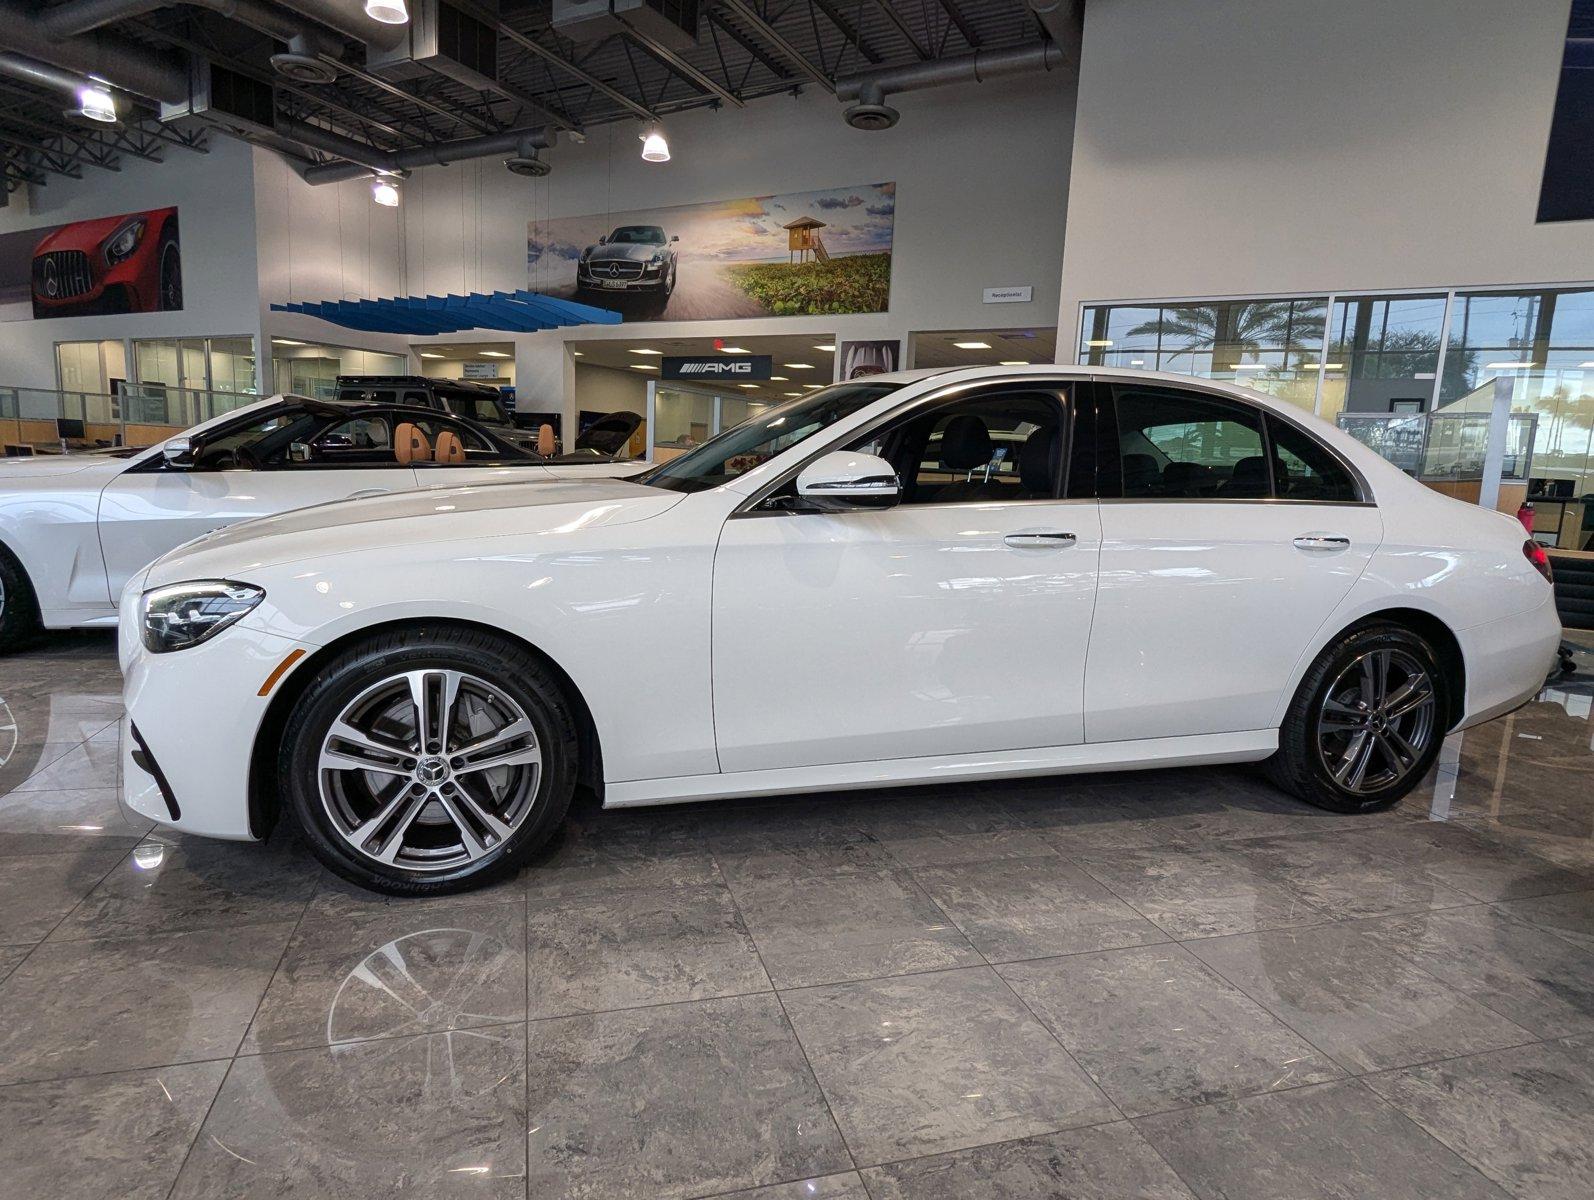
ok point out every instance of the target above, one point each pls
(323, 82)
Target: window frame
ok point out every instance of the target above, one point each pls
(1072, 388)
(1112, 468)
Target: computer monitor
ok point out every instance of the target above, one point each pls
(70, 429)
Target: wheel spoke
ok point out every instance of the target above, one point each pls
(1401, 752)
(516, 729)
(461, 809)
(387, 757)
(1408, 697)
(1341, 715)
(524, 757)
(433, 693)
(391, 848)
(1352, 767)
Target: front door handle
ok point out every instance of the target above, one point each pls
(1055, 541)
(1322, 541)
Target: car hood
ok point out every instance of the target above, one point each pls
(411, 520)
(624, 252)
(83, 235)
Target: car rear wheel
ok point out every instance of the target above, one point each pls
(19, 609)
(171, 274)
(429, 761)
(1366, 722)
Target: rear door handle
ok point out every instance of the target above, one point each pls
(1055, 541)
(364, 492)
(1322, 541)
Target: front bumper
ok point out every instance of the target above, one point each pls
(651, 280)
(197, 714)
(1507, 661)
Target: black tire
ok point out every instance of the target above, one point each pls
(19, 607)
(508, 667)
(169, 273)
(1299, 765)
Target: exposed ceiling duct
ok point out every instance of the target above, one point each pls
(1064, 23)
(519, 143)
(122, 62)
(870, 88)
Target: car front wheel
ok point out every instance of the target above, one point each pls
(1366, 722)
(429, 761)
(19, 611)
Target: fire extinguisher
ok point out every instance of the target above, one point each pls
(1525, 515)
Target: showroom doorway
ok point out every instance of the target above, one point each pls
(683, 391)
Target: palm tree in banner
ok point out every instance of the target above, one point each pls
(1232, 329)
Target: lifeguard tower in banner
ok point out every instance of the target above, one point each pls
(802, 239)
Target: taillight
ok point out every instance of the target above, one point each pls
(1539, 558)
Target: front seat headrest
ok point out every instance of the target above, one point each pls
(1140, 474)
(449, 448)
(1249, 479)
(1037, 460)
(965, 443)
(1185, 479)
(410, 445)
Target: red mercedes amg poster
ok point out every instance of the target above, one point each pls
(127, 263)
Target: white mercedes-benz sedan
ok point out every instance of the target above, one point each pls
(75, 527)
(946, 575)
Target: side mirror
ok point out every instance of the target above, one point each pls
(845, 479)
(299, 452)
(603, 240)
(675, 237)
(179, 452)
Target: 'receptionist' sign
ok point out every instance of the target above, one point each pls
(717, 368)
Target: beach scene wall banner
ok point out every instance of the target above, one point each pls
(792, 254)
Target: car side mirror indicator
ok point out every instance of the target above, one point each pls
(846, 479)
(178, 452)
(299, 452)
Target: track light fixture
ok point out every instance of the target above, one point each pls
(95, 102)
(385, 192)
(389, 12)
(654, 147)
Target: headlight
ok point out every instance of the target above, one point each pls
(184, 614)
(124, 241)
(658, 257)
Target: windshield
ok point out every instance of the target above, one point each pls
(638, 235)
(754, 442)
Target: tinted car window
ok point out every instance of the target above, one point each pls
(1305, 470)
(1177, 446)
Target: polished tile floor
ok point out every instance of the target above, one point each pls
(1146, 985)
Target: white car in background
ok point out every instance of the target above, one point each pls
(75, 527)
(928, 576)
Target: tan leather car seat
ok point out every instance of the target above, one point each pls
(410, 445)
(449, 448)
(545, 440)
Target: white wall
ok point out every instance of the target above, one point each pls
(1248, 147)
(604, 389)
(215, 196)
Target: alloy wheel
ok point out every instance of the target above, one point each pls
(171, 278)
(429, 770)
(1376, 721)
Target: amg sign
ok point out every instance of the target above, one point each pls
(743, 368)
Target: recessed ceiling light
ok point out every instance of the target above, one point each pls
(644, 350)
(1137, 362)
(799, 366)
(830, 349)
(1325, 366)
(1098, 341)
(791, 393)
(286, 342)
(643, 367)
(577, 353)
(734, 350)
(495, 354)
(1014, 362)
(786, 378)
(747, 385)
(429, 354)
(1248, 366)
(1508, 366)
(813, 386)
(972, 345)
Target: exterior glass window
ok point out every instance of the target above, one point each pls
(1383, 354)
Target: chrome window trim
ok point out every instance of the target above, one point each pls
(1364, 490)
(749, 507)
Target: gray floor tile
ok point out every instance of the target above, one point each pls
(1105, 1162)
(96, 763)
(1570, 916)
(751, 859)
(586, 860)
(77, 1008)
(65, 822)
(1481, 868)
(10, 957)
(1356, 1000)
(178, 884)
(1033, 908)
(1541, 981)
(825, 928)
(436, 1115)
(394, 972)
(121, 1135)
(1333, 1140)
(1523, 1117)
(929, 1063)
(673, 1101)
(846, 1186)
(38, 891)
(594, 953)
(1196, 890)
(1345, 877)
(1158, 1030)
